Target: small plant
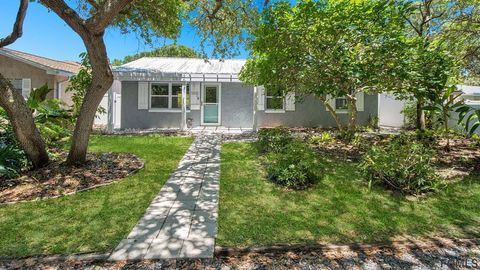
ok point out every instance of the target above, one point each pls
(273, 139)
(401, 165)
(322, 138)
(294, 167)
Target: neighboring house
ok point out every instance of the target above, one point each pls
(470, 94)
(27, 71)
(162, 92)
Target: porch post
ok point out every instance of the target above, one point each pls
(110, 124)
(255, 98)
(183, 125)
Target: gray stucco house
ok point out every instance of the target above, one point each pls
(160, 92)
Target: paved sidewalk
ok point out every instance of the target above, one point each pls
(181, 221)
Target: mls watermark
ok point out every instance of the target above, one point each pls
(469, 263)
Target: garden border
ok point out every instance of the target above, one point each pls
(80, 190)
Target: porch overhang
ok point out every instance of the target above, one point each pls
(147, 75)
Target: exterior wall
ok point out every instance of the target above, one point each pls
(390, 111)
(236, 109)
(14, 69)
(312, 113)
(237, 101)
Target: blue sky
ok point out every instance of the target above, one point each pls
(47, 35)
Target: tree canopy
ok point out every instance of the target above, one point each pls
(172, 50)
(329, 47)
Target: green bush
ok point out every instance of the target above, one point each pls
(293, 167)
(401, 165)
(273, 139)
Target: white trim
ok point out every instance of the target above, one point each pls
(274, 111)
(169, 96)
(266, 96)
(202, 95)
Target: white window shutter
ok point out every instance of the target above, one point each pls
(260, 98)
(195, 96)
(290, 101)
(143, 95)
(26, 87)
(331, 101)
(360, 102)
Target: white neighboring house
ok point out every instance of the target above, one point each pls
(471, 95)
(390, 111)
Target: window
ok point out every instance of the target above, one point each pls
(168, 96)
(274, 101)
(341, 103)
(17, 85)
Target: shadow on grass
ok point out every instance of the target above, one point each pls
(338, 209)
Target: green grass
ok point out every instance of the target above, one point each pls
(339, 209)
(94, 220)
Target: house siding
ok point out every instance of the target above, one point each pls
(237, 101)
(312, 113)
(236, 109)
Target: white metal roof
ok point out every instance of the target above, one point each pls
(186, 68)
(469, 89)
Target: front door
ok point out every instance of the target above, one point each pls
(211, 95)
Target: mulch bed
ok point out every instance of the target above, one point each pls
(418, 254)
(462, 159)
(58, 179)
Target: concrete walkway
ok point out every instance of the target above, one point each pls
(181, 221)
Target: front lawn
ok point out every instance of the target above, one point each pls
(95, 220)
(339, 209)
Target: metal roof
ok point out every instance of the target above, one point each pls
(193, 69)
(469, 89)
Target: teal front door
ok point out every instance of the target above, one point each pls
(211, 104)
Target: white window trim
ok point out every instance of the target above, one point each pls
(169, 96)
(267, 110)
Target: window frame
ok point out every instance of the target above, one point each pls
(269, 110)
(341, 110)
(169, 96)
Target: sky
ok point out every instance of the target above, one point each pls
(45, 34)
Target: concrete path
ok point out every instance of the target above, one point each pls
(181, 221)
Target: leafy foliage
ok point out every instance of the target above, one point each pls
(37, 96)
(469, 117)
(12, 161)
(288, 161)
(324, 138)
(331, 47)
(172, 50)
(273, 139)
(80, 83)
(293, 167)
(400, 165)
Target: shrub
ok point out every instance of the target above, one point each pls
(273, 139)
(12, 160)
(322, 138)
(293, 167)
(401, 165)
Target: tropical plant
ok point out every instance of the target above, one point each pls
(323, 138)
(444, 104)
(469, 117)
(12, 160)
(400, 165)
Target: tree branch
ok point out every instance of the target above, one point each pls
(67, 14)
(106, 14)
(17, 30)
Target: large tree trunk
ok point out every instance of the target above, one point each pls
(421, 125)
(23, 124)
(102, 79)
(352, 112)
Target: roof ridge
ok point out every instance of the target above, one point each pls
(43, 57)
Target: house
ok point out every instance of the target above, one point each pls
(470, 94)
(27, 71)
(160, 92)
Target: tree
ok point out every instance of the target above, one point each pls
(15, 105)
(172, 50)
(328, 48)
(221, 23)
